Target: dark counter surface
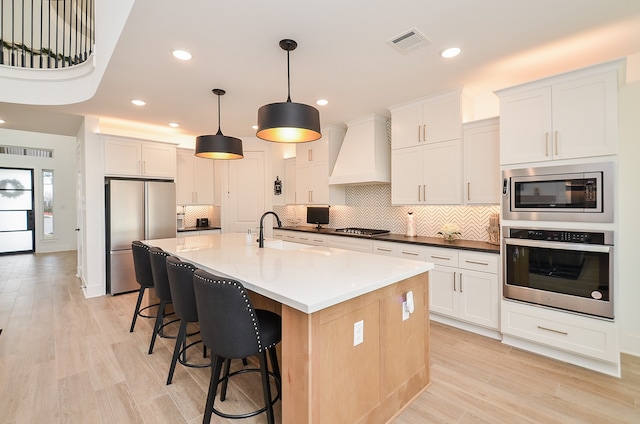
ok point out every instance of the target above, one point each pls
(475, 245)
(185, 229)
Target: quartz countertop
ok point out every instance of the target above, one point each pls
(307, 278)
(475, 245)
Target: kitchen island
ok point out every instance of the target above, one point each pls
(328, 298)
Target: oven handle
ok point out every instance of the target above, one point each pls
(598, 248)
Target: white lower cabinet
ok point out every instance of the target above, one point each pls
(464, 286)
(588, 337)
(198, 233)
(385, 248)
(351, 243)
(301, 237)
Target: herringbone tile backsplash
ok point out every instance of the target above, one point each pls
(369, 206)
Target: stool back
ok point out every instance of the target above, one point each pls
(158, 258)
(228, 322)
(180, 276)
(142, 263)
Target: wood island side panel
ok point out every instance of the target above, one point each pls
(326, 379)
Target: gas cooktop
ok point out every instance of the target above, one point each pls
(361, 231)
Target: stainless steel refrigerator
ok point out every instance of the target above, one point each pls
(136, 210)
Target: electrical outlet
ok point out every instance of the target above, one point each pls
(405, 311)
(358, 333)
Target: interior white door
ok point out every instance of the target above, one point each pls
(245, 197)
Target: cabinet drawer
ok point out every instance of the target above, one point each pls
(314, 239)
(410, 251)
(581, 335)
(349, 243)
(446, 257)
(385, 248)
(483, 262)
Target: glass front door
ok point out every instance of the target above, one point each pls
(16, 211)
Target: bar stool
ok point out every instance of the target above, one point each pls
(232, 329)
(158, 259)
(180, 276)
(144, 277)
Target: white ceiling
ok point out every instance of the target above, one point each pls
(343, 55)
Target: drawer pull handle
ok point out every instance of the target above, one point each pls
(476, 262)
(553, 331)
(441, 257)
(383, 249)
(404, 252)
(454, 281)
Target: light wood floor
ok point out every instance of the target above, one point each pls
(67, 359)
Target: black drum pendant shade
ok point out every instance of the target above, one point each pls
(288, 122)
(218, 146)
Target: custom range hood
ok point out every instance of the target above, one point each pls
(365, 155)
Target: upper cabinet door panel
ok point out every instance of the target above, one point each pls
(585, 117)
(406, 127)
(442, 119)
(525, 126)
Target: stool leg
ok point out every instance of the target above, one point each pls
(225, 381)
(182, 335)
(158, 325)
(275, 366)
(266, 387)
(137, 311)
(213, 387)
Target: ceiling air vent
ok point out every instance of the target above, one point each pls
(409, 40)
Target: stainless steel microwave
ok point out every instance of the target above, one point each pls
(581, 192)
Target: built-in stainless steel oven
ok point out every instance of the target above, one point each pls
(564, 269)
(580, 192)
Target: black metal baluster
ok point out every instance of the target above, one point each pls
(64, 30)
(23, 55)
(86, 28)
(49, 36)
(91, 30)
(13, 33)
(75, 56)
(57, 33)
(2, 31)
(32, 45)
(41, 32)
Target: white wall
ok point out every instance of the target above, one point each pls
(626, 245)
(63, 164)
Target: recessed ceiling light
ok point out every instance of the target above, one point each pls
(2, 121)
(451, 52)
(174, 124)
(322, 102)
(182, 54)
(255, 127)
(138, 102)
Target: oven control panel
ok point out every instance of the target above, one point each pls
(558, 235)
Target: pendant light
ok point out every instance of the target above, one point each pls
(288, 122)
(218, 146)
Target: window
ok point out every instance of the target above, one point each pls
(47, 202)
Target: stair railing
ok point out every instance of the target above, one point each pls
(46, 33)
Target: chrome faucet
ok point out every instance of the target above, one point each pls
(261, 237)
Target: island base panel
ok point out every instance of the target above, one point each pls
(328, 379)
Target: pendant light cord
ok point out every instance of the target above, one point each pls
(288, 79)
(219, 130)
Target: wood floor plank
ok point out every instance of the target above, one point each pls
(77, 400)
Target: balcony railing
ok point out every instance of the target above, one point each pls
(46, 33)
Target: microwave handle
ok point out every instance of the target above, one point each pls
(505, 186)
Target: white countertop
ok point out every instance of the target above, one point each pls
(307, 278)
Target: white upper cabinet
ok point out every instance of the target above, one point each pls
(314, 163)
(426, 151)
(195, 179)
(482, 162)
(428, 120)
(137, 158)
(570, 116)
(427, 175)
